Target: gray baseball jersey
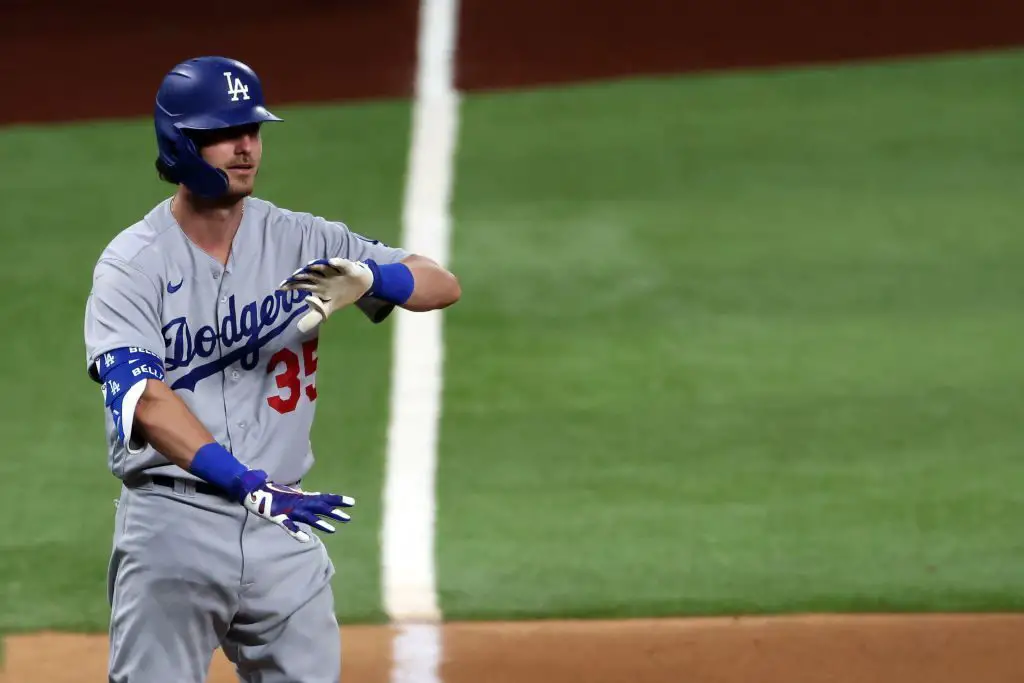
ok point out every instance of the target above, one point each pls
(190, 571)
(228, 338)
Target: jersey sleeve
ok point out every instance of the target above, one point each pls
(344, 242)
(122, 309)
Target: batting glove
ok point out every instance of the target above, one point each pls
(332, 284)
(286, 506)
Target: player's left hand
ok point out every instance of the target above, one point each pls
(332, 284)
(287, 505)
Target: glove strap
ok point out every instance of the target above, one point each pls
(215, 464)
(392, 282)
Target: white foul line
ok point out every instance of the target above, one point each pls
(416, 654)
(407, 534)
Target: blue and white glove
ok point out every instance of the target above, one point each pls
(335, 283)
(286, 506)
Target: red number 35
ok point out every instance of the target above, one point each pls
(288, 378)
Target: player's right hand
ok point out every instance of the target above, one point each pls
(286, 506)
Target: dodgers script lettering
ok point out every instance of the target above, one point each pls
(245, 331)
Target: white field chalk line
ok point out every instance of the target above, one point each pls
(407, 533)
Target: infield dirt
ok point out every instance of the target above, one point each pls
(800, 649)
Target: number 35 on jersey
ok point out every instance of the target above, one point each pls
(295, 376)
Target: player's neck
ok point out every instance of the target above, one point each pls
(211, 225)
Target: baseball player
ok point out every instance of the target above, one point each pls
(201, 327)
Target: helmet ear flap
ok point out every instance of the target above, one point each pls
(169, 147)
(182, 163)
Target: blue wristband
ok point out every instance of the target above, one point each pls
(392, 282)
(215, 464)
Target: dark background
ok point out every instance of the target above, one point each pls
(68, 60)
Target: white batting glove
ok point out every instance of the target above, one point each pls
(332, 284)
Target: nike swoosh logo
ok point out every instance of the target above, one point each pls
(171, 289)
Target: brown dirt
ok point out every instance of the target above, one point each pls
(522, 43)
(811, 649)
(67, 59)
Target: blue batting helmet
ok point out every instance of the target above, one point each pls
(205, 93)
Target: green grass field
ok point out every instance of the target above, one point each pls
(743, 343)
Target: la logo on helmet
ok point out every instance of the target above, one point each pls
(236, 88)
